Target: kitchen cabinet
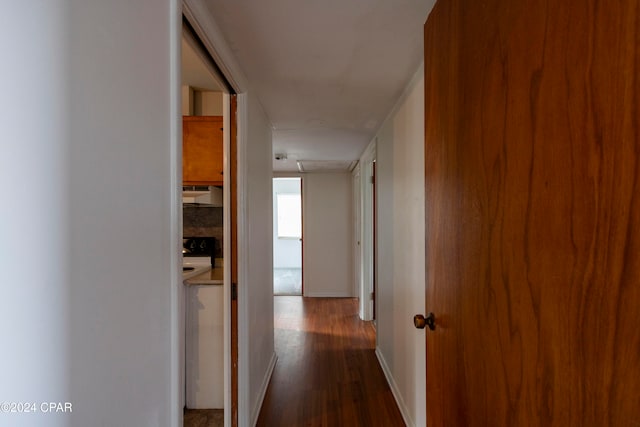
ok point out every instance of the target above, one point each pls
(202, 150)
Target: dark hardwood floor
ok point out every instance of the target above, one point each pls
(327, 373)
(203, 418)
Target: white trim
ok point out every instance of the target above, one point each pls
(226, 230)
(366, 231)
(176, 328)
(287, 174)
(209, 33)
(357, 229)
(243, 267)
(406, 416)
(255, 413)
(369, 153)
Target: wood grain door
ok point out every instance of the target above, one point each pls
(233, 183)
(532, 174)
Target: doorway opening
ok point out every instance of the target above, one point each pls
(287, 236)
(365, 236)
(208, 312)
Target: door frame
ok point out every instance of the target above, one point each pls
(237, 411)
(367, 247)
(357, 230)
(230, 214)
(300, 179)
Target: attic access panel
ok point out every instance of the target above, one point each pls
(326, 165)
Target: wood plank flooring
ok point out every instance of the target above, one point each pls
(203, 418)
(327, 372)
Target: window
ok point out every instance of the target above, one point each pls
(289, 216)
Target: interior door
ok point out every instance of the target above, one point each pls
(233, 182)
(532, 174)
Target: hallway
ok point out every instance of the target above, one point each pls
(327, 373)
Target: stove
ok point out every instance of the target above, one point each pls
(199, 250)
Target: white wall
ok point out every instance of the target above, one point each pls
(327, 231)
(255, 258)
(287, 253)
(401, 250)
(207, 103)
(201, 103)
(34, 149)
(93, 311)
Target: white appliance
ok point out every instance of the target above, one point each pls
(204, 341)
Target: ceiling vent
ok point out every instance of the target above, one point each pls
(326, 165)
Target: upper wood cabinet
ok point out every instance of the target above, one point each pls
(202, 150)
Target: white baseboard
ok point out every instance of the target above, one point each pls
(394, 389)
(328, 295)
(263, 389)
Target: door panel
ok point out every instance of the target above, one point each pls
(233, 182)
(532, 164)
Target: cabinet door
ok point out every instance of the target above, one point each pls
(202, 150)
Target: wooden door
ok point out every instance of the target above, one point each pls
(532, 174)
(233, 182)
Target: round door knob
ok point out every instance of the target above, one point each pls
(419, 321)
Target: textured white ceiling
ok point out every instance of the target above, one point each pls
(326, 71)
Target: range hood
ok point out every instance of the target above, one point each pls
(202, 195)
